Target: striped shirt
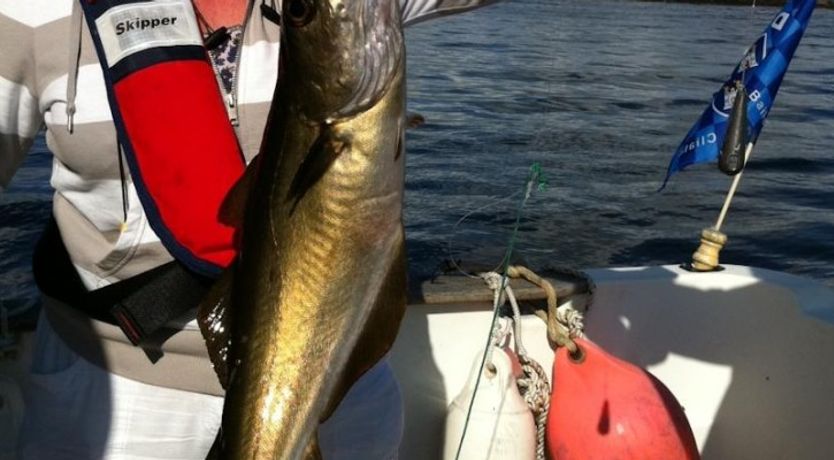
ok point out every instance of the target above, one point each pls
(36, 55)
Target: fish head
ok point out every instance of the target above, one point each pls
(345, 52)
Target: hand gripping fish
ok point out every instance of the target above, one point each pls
(319, 289)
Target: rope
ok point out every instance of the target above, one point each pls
(500, 333)
(571, 319)
(533, 386)
(535, 389)
(493, 280)
(572, 273)
(535, 181)
(563, 322)
(497, 301)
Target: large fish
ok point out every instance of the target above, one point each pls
(317, 294)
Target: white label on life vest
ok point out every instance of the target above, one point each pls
(134, 27)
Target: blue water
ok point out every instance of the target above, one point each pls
(599, 94)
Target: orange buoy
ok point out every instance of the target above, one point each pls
(604, 408)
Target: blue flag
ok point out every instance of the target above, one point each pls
(761, 70)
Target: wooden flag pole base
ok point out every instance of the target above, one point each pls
(705, 259)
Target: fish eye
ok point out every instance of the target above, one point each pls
(300, 12)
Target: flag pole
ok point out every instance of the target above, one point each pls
(705, 259)
(731, 193)
(780, 38)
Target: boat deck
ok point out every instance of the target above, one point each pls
(746, 351)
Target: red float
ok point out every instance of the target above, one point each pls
(604, 408)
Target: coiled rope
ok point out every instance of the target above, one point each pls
(564, 323)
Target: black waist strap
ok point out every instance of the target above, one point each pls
(140, 305)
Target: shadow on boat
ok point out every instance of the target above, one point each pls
(428, 417)
(59, 386)
(743, 350)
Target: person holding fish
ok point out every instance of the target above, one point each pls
(313, 277)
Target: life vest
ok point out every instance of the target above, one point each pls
(172, 123)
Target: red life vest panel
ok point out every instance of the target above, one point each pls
(171, 121)
(604, 408)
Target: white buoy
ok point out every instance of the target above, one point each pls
(501, 426)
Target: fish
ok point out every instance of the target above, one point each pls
(318, 291)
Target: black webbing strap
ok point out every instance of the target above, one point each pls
(167, 296)
(140, 305)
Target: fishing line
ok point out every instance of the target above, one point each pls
(534, 179)
(449, 249)
(538, 141)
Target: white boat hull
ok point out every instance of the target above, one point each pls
(748, 353)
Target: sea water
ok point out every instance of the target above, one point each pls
(599, 94)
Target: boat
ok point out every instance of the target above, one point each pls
(745, 350)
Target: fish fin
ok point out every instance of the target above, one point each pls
(380, 330)
(214, 319)
(233, 206)
(414, 120)
(312, 451)
(324, 151)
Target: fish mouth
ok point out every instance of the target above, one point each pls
(352, 51)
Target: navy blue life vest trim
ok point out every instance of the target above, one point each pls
(200, 266)
(149, 57)
(94, 9)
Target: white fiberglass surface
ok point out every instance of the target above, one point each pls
(746, 352)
